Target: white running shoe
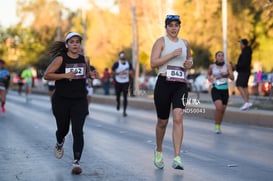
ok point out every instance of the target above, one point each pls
(59, 150)
(249, 104)
(245, 106)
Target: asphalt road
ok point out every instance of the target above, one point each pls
(121, 149)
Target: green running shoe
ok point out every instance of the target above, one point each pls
(217, 129)
(177, 163)
(158, 160)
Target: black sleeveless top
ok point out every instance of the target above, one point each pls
(75, 88)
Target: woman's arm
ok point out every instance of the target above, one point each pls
(50, 73)
(189, 62)
(230, 72)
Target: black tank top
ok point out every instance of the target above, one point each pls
(75, 88)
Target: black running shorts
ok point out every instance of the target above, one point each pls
(222, 95)
(242, 80)
(167, 94)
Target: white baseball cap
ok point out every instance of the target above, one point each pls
(71, 34)
(122, 55)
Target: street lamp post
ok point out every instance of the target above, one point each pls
(59, 16)
(135, 50)
(224, 26)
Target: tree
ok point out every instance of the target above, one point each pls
(202, 25)
(109, 32)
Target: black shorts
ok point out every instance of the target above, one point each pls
(242, 80)
(222, 95)
(169, 93)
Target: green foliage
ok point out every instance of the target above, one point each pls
(109, 32)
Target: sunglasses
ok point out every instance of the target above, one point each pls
(173, 17)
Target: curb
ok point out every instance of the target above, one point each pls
(232, 115)
(255, 117)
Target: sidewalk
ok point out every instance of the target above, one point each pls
(261, 114)
(254, 116)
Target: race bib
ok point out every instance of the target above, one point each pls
(124, 74)
(221, 81)
(79, 68)
(176, 73)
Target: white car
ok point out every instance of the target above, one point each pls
(201, 84)
(97, 83)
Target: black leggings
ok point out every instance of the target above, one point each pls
(122, 87)
(68, 110)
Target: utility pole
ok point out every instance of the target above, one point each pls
(83, 26)
(224, 26)
(135, 57)
(59, 19)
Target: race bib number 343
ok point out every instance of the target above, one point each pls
(176, 73)
(79, 68)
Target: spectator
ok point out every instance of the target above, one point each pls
(106, 80)
(243, 68)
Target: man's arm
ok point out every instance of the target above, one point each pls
(114, 67)
(131, 71)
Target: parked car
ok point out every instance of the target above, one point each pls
(97, 82)
(191, 78)
(201, 84)
(147, 82)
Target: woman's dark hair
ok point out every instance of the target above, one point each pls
(219, 63)
(57, 49)
(218, 52)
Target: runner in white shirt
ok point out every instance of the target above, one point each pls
(172, 56)
(122, 70)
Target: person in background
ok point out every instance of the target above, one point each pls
(243, 68)
(27, 77)
(4, 84)
(122, 70)
(51, 88)
(106, 80)
(172, 56)
(89, 81)
(70, 70)
(218, 74)
(20, 83)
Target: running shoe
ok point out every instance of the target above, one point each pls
(249, 104)
(217, 129)
(177, 163)
(124, 114)
(246, 106)
(3, 109)
(76, 167)
(59, 150)
(158, 160)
